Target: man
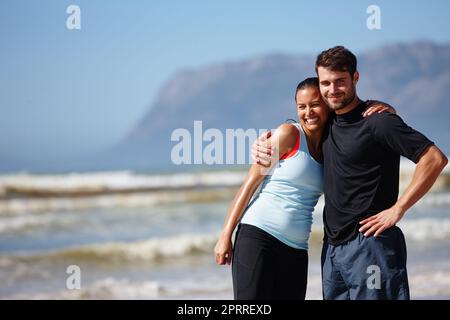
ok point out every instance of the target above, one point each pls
(364, 253)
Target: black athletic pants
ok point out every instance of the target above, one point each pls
(265, 268)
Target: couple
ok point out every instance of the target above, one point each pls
(350, 150)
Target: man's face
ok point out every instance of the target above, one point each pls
(337, 88)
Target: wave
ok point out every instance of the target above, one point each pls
(26, 193)
(132, 200)
(124, 289)
(25, 222)
(98, 183)
(118, 181)
(149, 199)
(20, 193)
(424, 284)
(426, 229)
(39, 193)
(105, 289)
(434, 200)
(158, 249)
(151, 250)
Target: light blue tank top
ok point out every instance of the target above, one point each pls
(285, 202)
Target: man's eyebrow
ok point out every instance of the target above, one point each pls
(341, 78)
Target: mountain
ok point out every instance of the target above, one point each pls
(258, 93)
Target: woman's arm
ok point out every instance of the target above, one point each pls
(223, 248)
(375, 106)
(285, 137)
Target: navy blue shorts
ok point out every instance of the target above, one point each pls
(366, 268)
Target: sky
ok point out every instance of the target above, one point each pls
(69, 92)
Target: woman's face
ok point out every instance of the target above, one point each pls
(311, 109)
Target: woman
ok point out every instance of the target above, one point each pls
(270, 257)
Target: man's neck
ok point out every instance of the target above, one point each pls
(356, 101)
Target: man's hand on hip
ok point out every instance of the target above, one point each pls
(381, 221)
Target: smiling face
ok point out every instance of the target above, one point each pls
(338, 88)
(311, 109)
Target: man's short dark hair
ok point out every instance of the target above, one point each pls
(337, 58)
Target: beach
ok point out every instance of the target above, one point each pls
(147, 236)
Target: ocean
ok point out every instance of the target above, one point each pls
(136, 236)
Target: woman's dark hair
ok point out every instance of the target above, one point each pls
(290, 120)
(312, 82)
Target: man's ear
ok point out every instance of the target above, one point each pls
(355, 77)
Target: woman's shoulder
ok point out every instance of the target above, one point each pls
(287, 134)
(287, 128)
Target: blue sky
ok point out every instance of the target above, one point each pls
(65, 93)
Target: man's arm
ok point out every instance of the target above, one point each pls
(430, 165)
(262, 150)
